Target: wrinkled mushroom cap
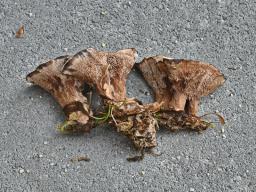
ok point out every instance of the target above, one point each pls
(108, 71)
(177, 81)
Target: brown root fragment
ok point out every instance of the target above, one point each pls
(107, 71)
(178, 83)
(175, 121)
(67, 91)
(21, 31)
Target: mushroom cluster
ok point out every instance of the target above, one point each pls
(178, 85)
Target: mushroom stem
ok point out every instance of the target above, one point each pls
(193, 105)
(178, 101)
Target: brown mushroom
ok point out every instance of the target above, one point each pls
(66, 90)
(179, 84)
(107, 71)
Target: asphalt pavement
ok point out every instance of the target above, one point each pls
(34, 157)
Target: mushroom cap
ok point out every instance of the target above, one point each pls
(48, 75)
(194, 78)
(108, 71)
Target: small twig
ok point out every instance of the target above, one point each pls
(80, 158)
(113, 117)
(90, 98)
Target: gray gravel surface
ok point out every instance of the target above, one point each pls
(34, 157)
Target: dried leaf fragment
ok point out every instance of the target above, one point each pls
(178, 83)
(66, 90)
(21, 31)
(107, 71)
